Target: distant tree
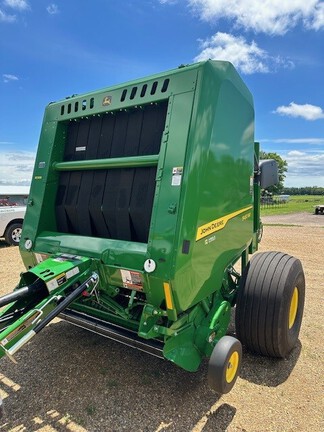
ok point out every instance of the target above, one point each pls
(282, 169)
(306, 190)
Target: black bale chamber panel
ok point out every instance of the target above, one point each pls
(111, 203)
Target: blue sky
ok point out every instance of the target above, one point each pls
(52, 50)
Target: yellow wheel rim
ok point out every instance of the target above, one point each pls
(293, 308)
(232, 366)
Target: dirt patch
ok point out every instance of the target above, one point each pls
(68, 379)
(301, 219)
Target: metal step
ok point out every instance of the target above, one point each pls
(113, 331)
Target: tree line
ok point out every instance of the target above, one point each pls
(306, 190)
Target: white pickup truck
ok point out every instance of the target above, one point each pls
(13, 201)
(11, 221)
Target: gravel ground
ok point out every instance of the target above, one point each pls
(68, 379)
(302, 219)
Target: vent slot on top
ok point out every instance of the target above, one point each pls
(67, 109)
(155, 87)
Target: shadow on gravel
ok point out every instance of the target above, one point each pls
(3, 244)
(73, 380)
(221, 419)
(267, 371)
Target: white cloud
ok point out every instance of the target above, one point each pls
(249, 58)
(4, 17)
(8, 77)
(317, 21)
(305, 163)
(16, 167)
(274, 17)
(17, 4)
(306, 111)
(297, 153)
(52, 9)
(305, 168)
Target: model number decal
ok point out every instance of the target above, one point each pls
(210, 239)
(247, 216)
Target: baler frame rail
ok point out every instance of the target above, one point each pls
(113, 331)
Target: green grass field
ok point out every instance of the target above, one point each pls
(296, 204)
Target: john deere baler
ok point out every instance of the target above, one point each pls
(144, 197)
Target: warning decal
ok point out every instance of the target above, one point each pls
(132, 280)
(61, 279)
(176, 176)
(56, 282)
(217, 224)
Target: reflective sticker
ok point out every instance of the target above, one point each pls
(167, 294)
(80, 148)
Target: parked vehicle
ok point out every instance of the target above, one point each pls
(13, 201)
(13, 195)
(11, 222)
(319, 209)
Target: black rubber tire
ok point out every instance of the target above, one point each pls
(219, 364)
(264, 304)
(13, 234)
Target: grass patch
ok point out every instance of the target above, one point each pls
(112, 383)
(90, 410)
(296, 204)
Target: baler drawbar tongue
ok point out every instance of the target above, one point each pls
(42, 294)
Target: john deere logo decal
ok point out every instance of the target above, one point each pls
(106, 101)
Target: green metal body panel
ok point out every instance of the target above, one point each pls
(204, 214)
